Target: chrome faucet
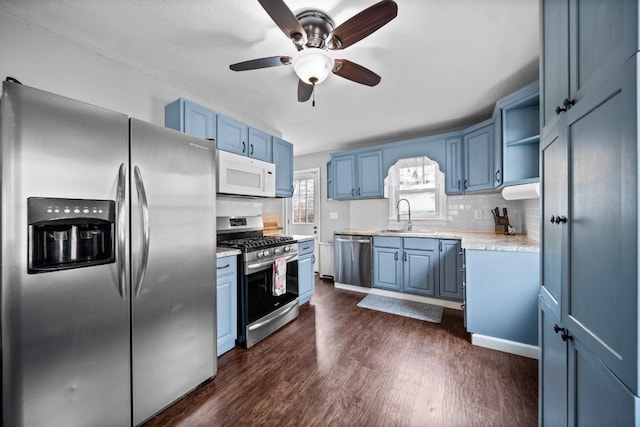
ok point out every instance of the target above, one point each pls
(398, 211)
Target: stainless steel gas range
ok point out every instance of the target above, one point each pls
(267, 279)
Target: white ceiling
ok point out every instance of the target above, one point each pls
(444, 63)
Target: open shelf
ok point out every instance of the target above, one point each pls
(535, 139)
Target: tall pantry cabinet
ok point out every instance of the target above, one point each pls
(589, 296)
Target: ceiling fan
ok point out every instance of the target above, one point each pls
(313, 33)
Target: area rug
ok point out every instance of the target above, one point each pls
(413, 309)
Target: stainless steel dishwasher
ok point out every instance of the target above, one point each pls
(353, 260)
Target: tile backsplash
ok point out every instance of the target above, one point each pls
(473, 213)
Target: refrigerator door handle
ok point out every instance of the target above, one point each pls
(144, 213)
(121, 231)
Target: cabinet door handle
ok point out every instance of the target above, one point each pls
(353, 191)
(404, 257)
(561, 219)
(395, 256)
(459, 185)
(244, 147)
(314, 258)
(566, 105)
(465, 184)
(558, 219)
(359, 192)
(498, 176)
(251, 149)
(222, 267)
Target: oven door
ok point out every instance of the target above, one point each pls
(262, 311)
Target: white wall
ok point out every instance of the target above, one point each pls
(45, 61)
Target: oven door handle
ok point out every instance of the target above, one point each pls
(261, 324)
(252, 268)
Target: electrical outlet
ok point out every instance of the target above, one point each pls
(477, 214)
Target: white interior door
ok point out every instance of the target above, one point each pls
(304, 206)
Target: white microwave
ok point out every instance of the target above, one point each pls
(244, 176)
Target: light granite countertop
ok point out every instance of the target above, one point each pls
(474, 240)
(302, 237)
(222, 252)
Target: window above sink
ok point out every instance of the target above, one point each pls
(420, 181)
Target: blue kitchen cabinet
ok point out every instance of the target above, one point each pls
(306, 279)
(478, 157)
(344, 176)
(232, 136)
(259, 145)
(238, 138)
(357, 175)
(552, 368)
(283, 159)
(451, 270)
(503, 302)
(408, 265)
(329, 180)
(454, 176)
(555, 188)
(387, 263)
(227, 303)
(601, 307)
(589, 114)
(420, 258)
(517, 118)
(369, 174)
(191, 118)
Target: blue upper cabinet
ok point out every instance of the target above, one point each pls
(344, 176)
(188, 117)
(454, 176)
(369, 174)
(329, 181)
(260, 145)
(357, 175)
(518, 136)
(233, 136)
(478, 157)
(283, 159)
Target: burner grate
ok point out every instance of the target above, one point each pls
(256, 242)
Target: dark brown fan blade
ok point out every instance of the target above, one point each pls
(354, 72)
(304, 91)
(286, 20)
(362, 24)
(254, 64)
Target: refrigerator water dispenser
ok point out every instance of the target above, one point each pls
(69, 233)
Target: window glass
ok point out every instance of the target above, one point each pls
(420, 181)
(302, 201)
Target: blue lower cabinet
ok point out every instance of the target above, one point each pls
(306, 283)
(387, 271)
(227, 303)
(502, 294)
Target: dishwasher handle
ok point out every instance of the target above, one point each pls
(353, 241)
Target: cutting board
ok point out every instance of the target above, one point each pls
(272, 225)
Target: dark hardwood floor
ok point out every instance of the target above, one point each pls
(341, 365)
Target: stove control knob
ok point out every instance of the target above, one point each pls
(287, 248)
(277, 251)
(259, 254)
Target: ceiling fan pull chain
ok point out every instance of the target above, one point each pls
(313, 94)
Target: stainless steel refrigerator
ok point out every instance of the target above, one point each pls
(108, 263)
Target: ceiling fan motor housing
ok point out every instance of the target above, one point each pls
(317, 24)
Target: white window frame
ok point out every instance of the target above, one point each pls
(394, 193)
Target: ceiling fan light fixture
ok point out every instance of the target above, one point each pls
(312, 65)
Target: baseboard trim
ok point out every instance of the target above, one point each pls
(513, 347)
(409, 297)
